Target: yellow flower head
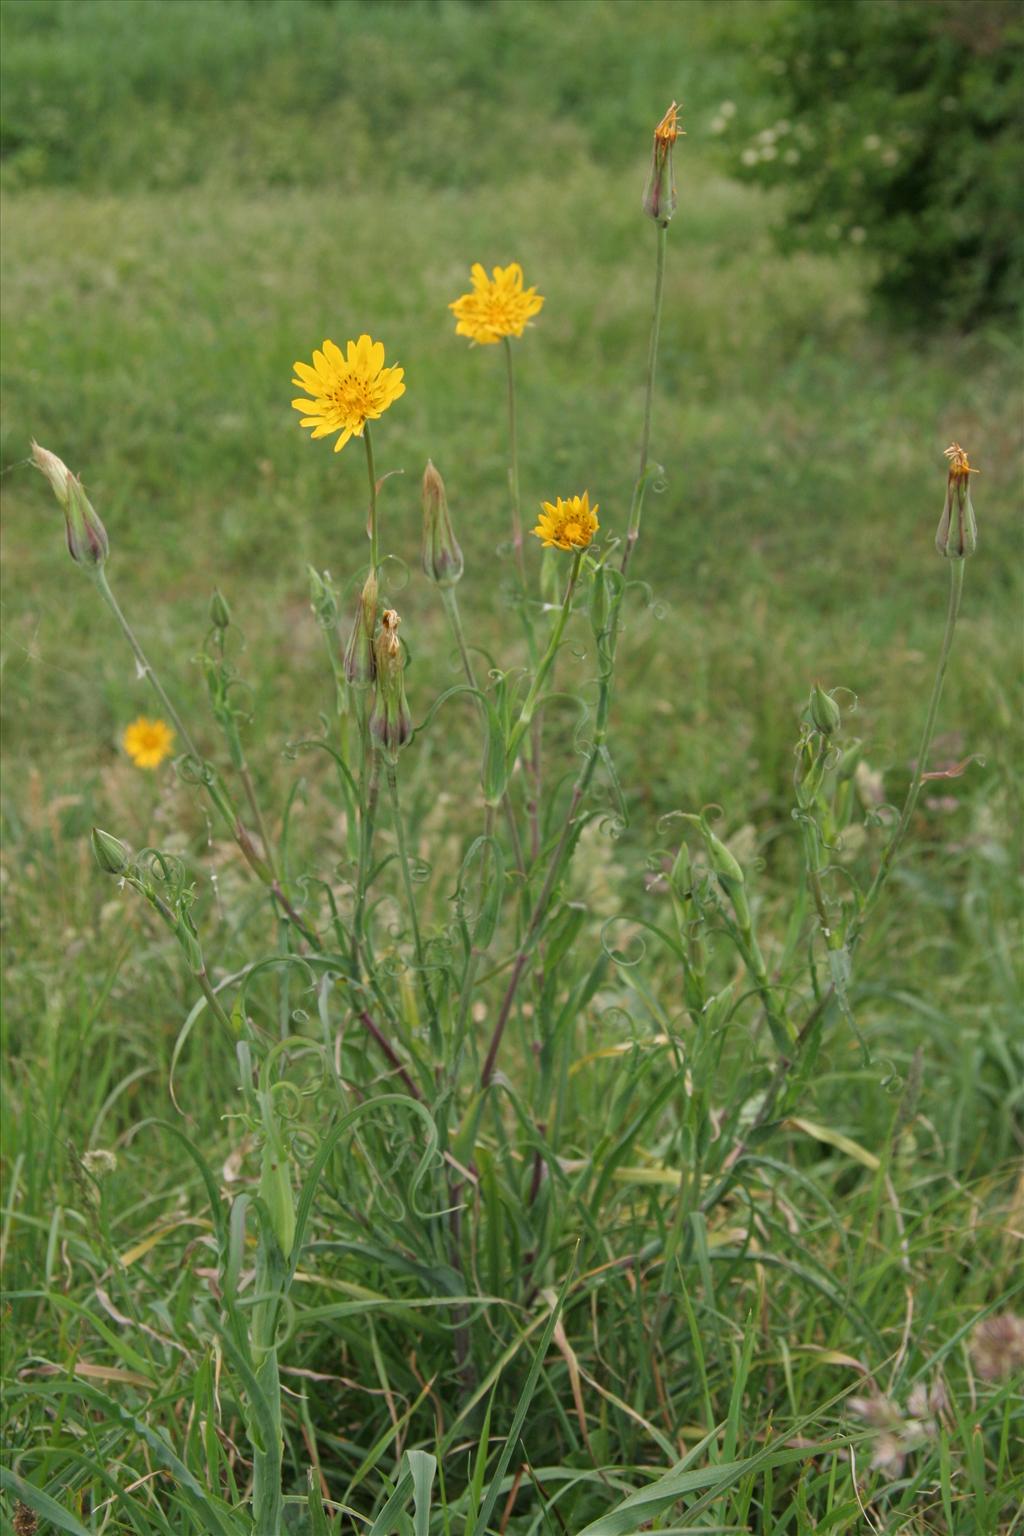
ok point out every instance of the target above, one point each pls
(349, 388)
(568, 524)
(959, 463)
(497, 307)
(148, 742)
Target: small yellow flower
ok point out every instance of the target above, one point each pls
(148, 742)
(568, 524)
(497, 307)
(349, 388)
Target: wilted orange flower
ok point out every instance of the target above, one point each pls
(659, 200)
(567, 524)
(148, 742)
(959, 463)
(668, 130)
(498, 306)
(349, 389)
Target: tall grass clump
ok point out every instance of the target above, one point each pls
(478, 1119)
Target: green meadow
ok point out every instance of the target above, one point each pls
(195, 194)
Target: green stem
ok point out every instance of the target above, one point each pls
(372, 473)
(956, 584)
(540, 676)
(267, 1499)
(451, 607)
(410, 896)
(365, 850)
(636, 505)
(586, 773)
(198, 971)
(100, 577)
(216, 1006)
(475, 954)
(261, 826)
(513, 466)
(450, 603)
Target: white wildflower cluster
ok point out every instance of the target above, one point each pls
(888, 154)
(765, 146)
(723, 117)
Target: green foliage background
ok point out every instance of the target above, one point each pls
(900, 128)
(195, 194)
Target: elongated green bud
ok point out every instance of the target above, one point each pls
(726, 867)
(390, 721)
(86, 535)
(110, 853)
(824, 711)
(220, 613)
(957, 534)
(440, 554)
(359, 664)
(681, 874)
(659, 201)
(722, 861)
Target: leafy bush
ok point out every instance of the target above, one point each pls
(899, 129)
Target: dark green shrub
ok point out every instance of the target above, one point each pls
(898, 129)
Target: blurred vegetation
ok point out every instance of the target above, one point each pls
(900, 128)
(137, 95)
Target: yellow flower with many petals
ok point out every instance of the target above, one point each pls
(148, 742)
(568, 524)
(349, 388)
(498, 306)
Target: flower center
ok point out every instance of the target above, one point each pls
(353, 397)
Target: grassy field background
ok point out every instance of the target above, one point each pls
(194, 195)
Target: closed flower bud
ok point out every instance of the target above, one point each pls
(87, 537)
(660, 193)
(359, 665)
(681, 876)
(957, 535)
(55, 470)
(824, 711)
(440, 555)
(220, 613)
(110, 853)
(724, 863)
(390, 721)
